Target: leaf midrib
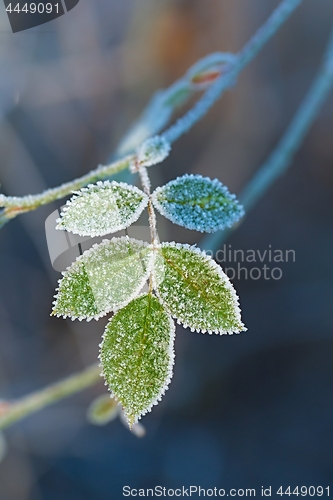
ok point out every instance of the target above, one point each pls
(214, 302)
(201, 202)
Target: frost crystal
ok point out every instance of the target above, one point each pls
(137, 429)
(137, 355)
(199, 203)
(153, 151)
(102, 208)
(195, 290)
(103, 279)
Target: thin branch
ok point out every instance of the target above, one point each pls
(160, 109)
(282, 156)
(21, 204)
(145, 182)
(245, 56)
(156, 115)
(285, 151)
(12, 411)
(153, 119)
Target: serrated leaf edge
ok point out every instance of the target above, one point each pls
(103, 185)
(171, 353)
(221, 274)
(123, 304)
(160, 208)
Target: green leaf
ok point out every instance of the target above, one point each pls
(103, 410)
(195, 290)
(137, 355)
(102, 208)
(199, 203)
(103, 279)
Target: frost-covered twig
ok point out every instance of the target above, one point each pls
(159, 109)
(245, 56)
(145, 181)
(283, 155)
(285, 151)
(12, 411)
(20, 204)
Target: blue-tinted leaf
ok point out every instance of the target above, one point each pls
(199, 203)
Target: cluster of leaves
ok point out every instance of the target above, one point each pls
(137, 351)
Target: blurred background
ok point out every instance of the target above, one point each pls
(244, 411)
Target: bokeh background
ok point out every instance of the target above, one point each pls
(242, 411)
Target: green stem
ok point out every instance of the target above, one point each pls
(11, 412)
(283, 155)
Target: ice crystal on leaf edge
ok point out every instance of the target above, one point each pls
(102, 208)
(121, 284)
(127, 378)
(198, 203)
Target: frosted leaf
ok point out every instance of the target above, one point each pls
(195, 290)
(103, 279)
(102, 208)
(103, 410)
(205, 71)
(137, 429)
(177, 94)
(199, 203)
(137, 355)
(153, 151)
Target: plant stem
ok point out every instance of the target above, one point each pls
(11, 412)
(152, 223)
(283, 155)
(14, 205)
(145, 182)
(244, 57)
